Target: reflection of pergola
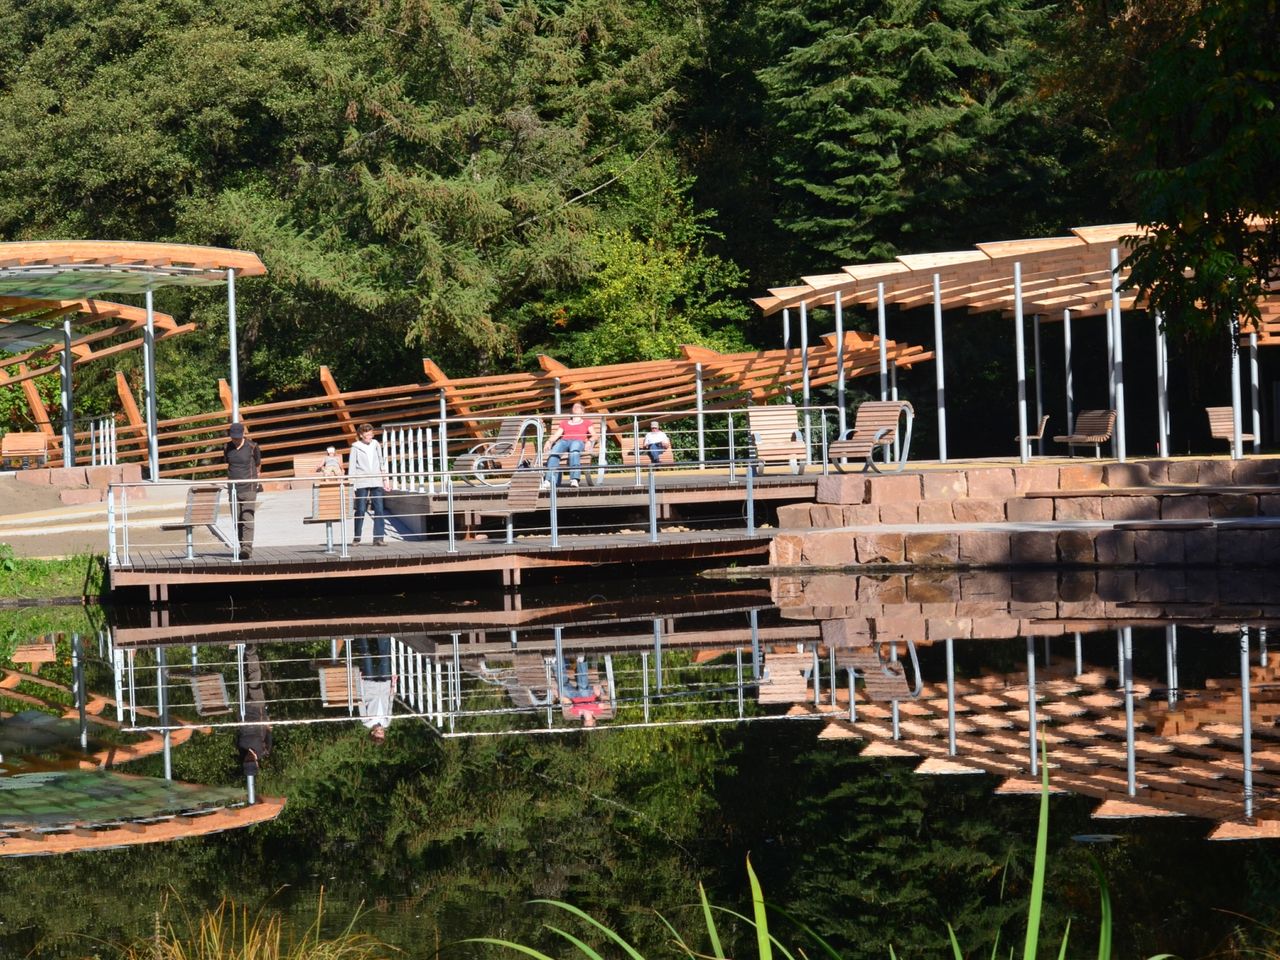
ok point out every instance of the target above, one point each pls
(1048, 278)
(48, 304)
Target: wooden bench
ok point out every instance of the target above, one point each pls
(210, 693)
(1092, 429)
(1222, 425)
(587, 462)
(776, 437)
(874, 428)
(328, 506)
(24, 450)
(494, 461)
(1038, 435)
(786, 679)
(522, 497)
(634, 452)
(202, 511)
(339, 684)
(308, 466)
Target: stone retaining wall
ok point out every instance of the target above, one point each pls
(84, 484)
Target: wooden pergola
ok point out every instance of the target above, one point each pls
(1048, 278)
(49, 290)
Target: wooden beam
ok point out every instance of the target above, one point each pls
(127, 403)
(339, 405)
(39, 412)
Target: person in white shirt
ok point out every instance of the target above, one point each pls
(655, 442)
(367, 471)
(377, 684)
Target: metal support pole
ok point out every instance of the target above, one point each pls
(68, 404)
(1020, 360)
(754, 618)
(1246, 723)
(453, 538)
(1255, 391)
(162, 703)
(817, 677)
(786, 328)
(884, 350)
(1031, 705)
(737, 656)
(1237, 442)
(444, 438)
(1162, 389)
(1170, 670)
(1066, 352)
(653, 507)
(1111, 361)
(841, 414)
(1130, 747)
(938, 368)
(1119, 353)
(149, 379)
(702, 421)
(555, 514)
(951, 697)
(1079, 656)
(657, 654)
(1036, 321)
(644, 682)
(232, 347)
(556, 381)
(81, 694)
(804, 353)
(751, 504)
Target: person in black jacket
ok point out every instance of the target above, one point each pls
(253, 741)
(244, 461)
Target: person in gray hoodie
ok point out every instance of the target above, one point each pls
(367, 471)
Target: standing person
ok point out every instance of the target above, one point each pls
(572, 435)
(655, 442)
(253, 741)
(377, 684)
(367, 471)
(244, 462)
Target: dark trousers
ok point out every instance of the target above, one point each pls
(370, 498)
(246, 507)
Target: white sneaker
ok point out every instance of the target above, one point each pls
(545, 485)
(573, 483)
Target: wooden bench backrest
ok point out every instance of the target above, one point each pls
(1094, 423)
(523, 493)
(338, 685)
(1221, 423)
(327, 500)
(773, 426)
(17, 444)
(876, 414)
(309, 464)
(202, 505)
(210, 693)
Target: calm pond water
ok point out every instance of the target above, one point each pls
(723, 729)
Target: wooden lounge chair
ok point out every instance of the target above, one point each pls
(785, 678)
(24, 450)
(522, 497)
(776, 437)
(1092, 429)
(874, 427)
(1222, 425)
(494, 461)
(202, 511)
(1038, 435)
(328, 501)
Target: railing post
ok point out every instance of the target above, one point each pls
(702, 427)
(453, 544)
(555, 517)
(344, 505)
(111, 526)
(653, 507)
(733, 467)
(751, 504)
(444, 438)
(635, 444)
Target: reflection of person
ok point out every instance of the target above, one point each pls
(572, 435)
(368, 473)
(331, 465)
(580, 698)
(244, 462)
(377, 683)
(253, 741)
(655, 442)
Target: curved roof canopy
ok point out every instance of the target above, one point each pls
(76, 269)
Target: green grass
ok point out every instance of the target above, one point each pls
(76, 576)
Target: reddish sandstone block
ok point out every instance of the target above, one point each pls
(1075, 547)
(1216, 473)
(1184, 508)
(1044, 610)
(1252, 470)
(102, 477)
(1080, 476)
(1029, 510)
(936, 511)
(1269, 505)
(1117, 587)
(37, 478)
(1158, 546)
(1130, 508)
(830, 590)
(1077, 508)
(1183, 471)
(984, 548)
(847, 632)
(794, 516)
(1114, 547)
(1157, 470)
(785, 550)
(995, 627)
(933, 589)
(991, 484)
(131, 473)
(825, 516)
(945, 485)
(1033, 586)
(884, 589)
(873, 548)
(931, 549)
(1033, 546)
(1041, 628)
(79, 496)
(1040, 479)
(1200, 547)
(948, 628)
(978, 511)
(68, 478)
(838, 488)
(861, 515)
(1240, 548)
(894, 488)
(1126, 475)
(1077, 585)
(940, 610)
(901, 512)
(897, 624)
(985, 586)
(1233, 505)
(829, 549)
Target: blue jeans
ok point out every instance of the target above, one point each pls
(580, 686)
(574, 449)
(373, 656)
(370, 498)
(655, 452)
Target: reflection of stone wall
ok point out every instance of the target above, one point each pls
(1144, 513)
(990, 605)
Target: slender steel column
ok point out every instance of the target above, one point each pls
(232, 347)
(1119, 353)
(1031, 705)
(68, 426)
(1111, 361)
(1237, 442)
(1246, 723)
(804, 354)
(149, 379)
(786, 328)
(1020, 354)
(1130, 746)
(1036, 320)
(702, 421)
(841, 414)
(884, 351)
(1162, 388)
(1255, 388)
(1066, 350)
(938, 368)
(951, 697)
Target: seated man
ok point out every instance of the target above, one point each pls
(581, 700)
(572, 436)
(655, 442)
